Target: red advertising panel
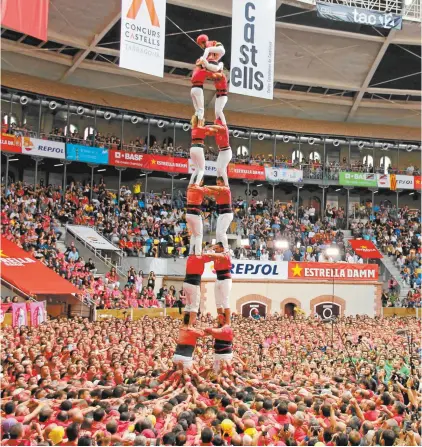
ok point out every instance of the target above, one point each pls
(10, 143)
(149, 162)
(365, 249)
(248, 172)
(26, 16)
(333, 271)
(418, 182)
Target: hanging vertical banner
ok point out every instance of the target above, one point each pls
(252, 51)
(26, 16)
(19, 317)
(142, 36)
(38, 313)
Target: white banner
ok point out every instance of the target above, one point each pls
(91, 237)
(245, 269)
(43, 148)
(210, 168)
(253, 40)
(405, 182)
(142, 36)
(383, 180)
(284, 175)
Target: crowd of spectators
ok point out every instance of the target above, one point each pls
(292, 382)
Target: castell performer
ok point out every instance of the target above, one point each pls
(199, 76)
(221, 87)
(214, 50)
(194, 198)
(186, 344)
(223, 285)
(198, 135)
(222, 139)
(223, 342)
(223, 197)
(195, 266)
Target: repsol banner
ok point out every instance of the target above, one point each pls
(252, 51)
(245, 269)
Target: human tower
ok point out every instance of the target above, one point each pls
(208, 68)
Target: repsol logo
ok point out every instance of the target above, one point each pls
(247, 75)
(255, 269)
(404, 182)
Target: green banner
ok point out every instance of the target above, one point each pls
(358, 179)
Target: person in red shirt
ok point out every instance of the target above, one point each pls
(223, 197)
(195, 266)
(199, 76)
(223, 342)
(194, 198)
(186, 343)
(198, 135)
(222, 139)
(223, 285)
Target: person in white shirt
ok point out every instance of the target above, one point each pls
(312, 214)
(264, 255)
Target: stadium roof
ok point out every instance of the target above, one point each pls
(323, 70)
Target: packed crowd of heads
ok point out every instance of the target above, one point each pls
(292, 382)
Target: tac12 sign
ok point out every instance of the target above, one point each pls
(252, 51)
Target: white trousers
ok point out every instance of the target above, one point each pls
(223, 160)
(218, 358)
(198, 161)
(222, 291)
(193, 297)
(186, 361)
(197, 95)
(220, 103)
(223, 223)
(196, 227)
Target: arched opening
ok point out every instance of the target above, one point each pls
(368, 160)
(72, 129)
(89, 133)
(315, 156)
(289, 309)
(242, 151)
(248, 309)
(385, 163)
(168, 143)
(297, 156)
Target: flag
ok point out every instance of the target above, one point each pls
(365, 249)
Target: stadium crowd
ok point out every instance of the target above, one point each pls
(293, 382)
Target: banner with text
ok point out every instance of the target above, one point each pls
(383, 180)
(210, 168)
(11, 143)
(43, 148)
(365, 249)
(142, 36)
(358, 179)
(247, 172)
(402, 182)
(284, 175)
(360, 16)
(333, 271)
(77, 152)
(38, 313)
(149, 162)
(245, 269)
(252, 49)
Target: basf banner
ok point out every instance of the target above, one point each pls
(43, 148)
(245, 269)
(150, 162)
(142, 36)
(253, 40)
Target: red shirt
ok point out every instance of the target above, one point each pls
(188, 336)
(224, 196)
(195, 265)
(199, 76)
(222, 138)
(221, 84)
(199, 133)
(223, 263)
(195, 196)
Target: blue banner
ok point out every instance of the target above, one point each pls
(77, 152)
